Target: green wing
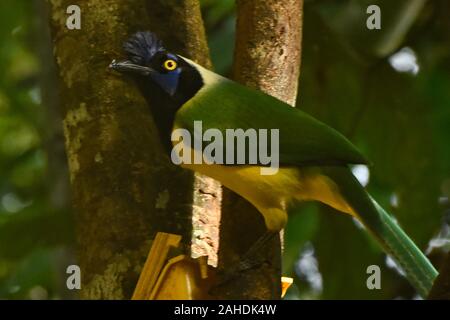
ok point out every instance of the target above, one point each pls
(303, 139)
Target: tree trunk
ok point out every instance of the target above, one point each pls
(123, 189)
(267, 57)
(268, 46)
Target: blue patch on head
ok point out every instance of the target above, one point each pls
(167, 81)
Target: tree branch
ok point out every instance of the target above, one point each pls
(268, 46)
(267, 57)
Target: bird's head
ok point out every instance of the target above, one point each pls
(165, 79)
(150, 63)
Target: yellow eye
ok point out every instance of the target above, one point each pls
(170, 65)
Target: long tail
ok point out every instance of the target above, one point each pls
(418, 269)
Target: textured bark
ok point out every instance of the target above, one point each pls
(123, 188)
(267, 57)
(268, 46)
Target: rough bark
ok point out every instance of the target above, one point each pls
(123, 188)
(267, 57)
(268, 46)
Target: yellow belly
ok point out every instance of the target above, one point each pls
(270, 194)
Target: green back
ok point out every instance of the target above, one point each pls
(303, 139)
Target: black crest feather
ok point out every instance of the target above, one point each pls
(142, 46)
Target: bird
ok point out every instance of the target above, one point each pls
(314, 159)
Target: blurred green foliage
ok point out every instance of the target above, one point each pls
(401, 121)
(35, 234)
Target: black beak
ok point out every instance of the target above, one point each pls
(130, 67)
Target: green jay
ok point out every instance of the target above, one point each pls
(314, 159)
